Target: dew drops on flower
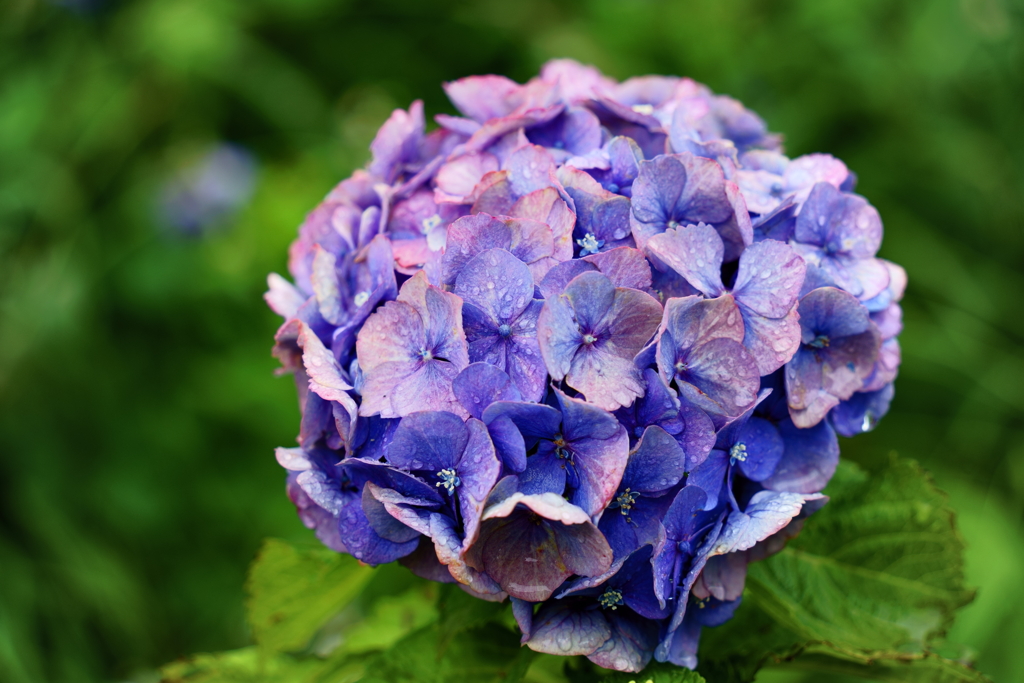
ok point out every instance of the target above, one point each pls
(575, 343)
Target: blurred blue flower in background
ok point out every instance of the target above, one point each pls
(209, 190)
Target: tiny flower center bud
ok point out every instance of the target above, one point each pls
(589, 339)
(505, 330)
(611, 599)
(561, 450)
(681, 367)
(589, 244)
(738, 453)
(673, 224)
(612, 187)
(430, 223)
(361, 298)
(626, 500)
(820, 342)
(449, 480)
(425, 354)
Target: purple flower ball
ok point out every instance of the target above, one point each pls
(587, 347)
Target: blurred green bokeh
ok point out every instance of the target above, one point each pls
(138, 406)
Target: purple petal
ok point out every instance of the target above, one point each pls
(544, 473)
(630, 646)
(530, 168)
(381, 521)
(428, 441)
(423, 563)
(804, 172)
(709, 476)
(530, 560)
(677, 189)
(467, 237)
(576, 131)
(886, 367)
(769, 278)
(601, 446)
(698, 435)
(560, 630)
(480, 385)
(599, 212)
(808, 461)
(657, 464)
(862, 411)
(479, 469)
(763, 448)
(692, 321)
(497, 283)
(559, 277)
(397, 141)
(695, 252)
(558, 334)
(534, 420)
(839, 222)
(523, 613)
(833, 313)
(508, 443)
(723, 577)
(602, 368)
(324, 279)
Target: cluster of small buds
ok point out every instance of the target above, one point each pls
(586, 347)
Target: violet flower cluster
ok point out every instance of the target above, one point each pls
(588, 347)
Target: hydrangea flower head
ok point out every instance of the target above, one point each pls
(587, 348)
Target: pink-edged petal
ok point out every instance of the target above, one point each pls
(456, 179)
(530, 560)
(392, 334)
(325, 285)
(325, 375)
(722, 378)
(484, 97)
(693, 251)
(546, 206)
(282, 296)
(624, 266)
(605, 379)
(429, 387)
(765, 514)
(771, 341)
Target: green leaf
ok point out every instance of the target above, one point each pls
(294, 592)
(879, 568)
(656, 673)
(482, 655)
(460, 611)
(865, 590)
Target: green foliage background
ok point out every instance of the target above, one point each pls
(137, 404)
